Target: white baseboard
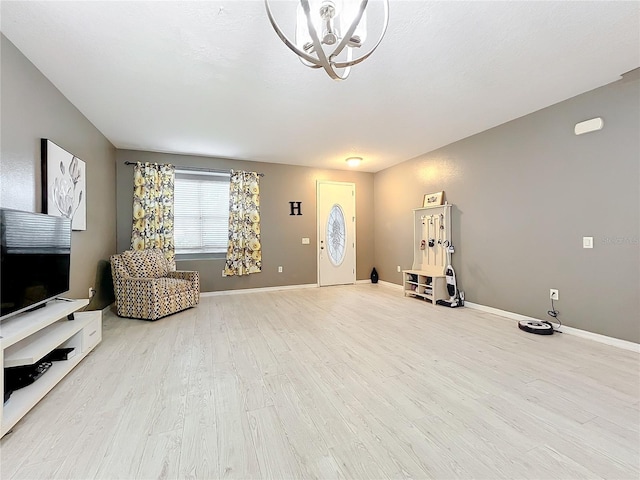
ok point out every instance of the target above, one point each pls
(266, 289)
(283, 287)
(615, 342)
(254, 290)
(389, 284)
(107, 308)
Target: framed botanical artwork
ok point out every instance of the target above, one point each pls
(64, 184)
(433, 199)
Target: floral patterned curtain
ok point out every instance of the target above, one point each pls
(153, 209)
(244, 252)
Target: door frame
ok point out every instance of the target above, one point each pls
(320, 227)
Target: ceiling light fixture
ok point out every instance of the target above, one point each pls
(328, 31)
(353, 161)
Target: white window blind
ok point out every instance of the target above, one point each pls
(201, 212)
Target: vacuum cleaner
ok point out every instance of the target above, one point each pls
(537, 327)
(456, 297)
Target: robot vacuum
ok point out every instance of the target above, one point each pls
(539, 328)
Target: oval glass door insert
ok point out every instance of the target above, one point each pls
(336, 235)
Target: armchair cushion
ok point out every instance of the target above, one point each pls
(145, 263)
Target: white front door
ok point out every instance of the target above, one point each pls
(336, 233)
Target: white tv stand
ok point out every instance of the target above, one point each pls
(28, 337)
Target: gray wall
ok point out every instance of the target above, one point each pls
(32, 108)
(525, 193)
(281, 233)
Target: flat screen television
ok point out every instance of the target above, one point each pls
(36, 259)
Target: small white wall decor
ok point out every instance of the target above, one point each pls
(433, 199)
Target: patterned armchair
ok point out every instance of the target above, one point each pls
(145, 288)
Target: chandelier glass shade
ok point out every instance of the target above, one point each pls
(329, 32)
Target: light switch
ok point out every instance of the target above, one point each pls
(305, 241)
(587, 242)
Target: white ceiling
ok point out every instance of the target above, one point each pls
(212, 78)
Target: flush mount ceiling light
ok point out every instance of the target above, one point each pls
(353, 161)
(328, 32)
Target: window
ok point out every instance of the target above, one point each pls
(336, 235)
(201, 213)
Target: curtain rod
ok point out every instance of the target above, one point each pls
(197, 169)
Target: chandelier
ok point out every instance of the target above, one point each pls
(328, 32)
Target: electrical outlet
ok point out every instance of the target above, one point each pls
(398, 268)
(92, 292)
(280, 269)
(305, 241)
(587, 242)
(554, 294)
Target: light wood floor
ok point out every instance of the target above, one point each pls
(337, 382)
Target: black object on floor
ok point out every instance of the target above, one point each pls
(104, 295)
